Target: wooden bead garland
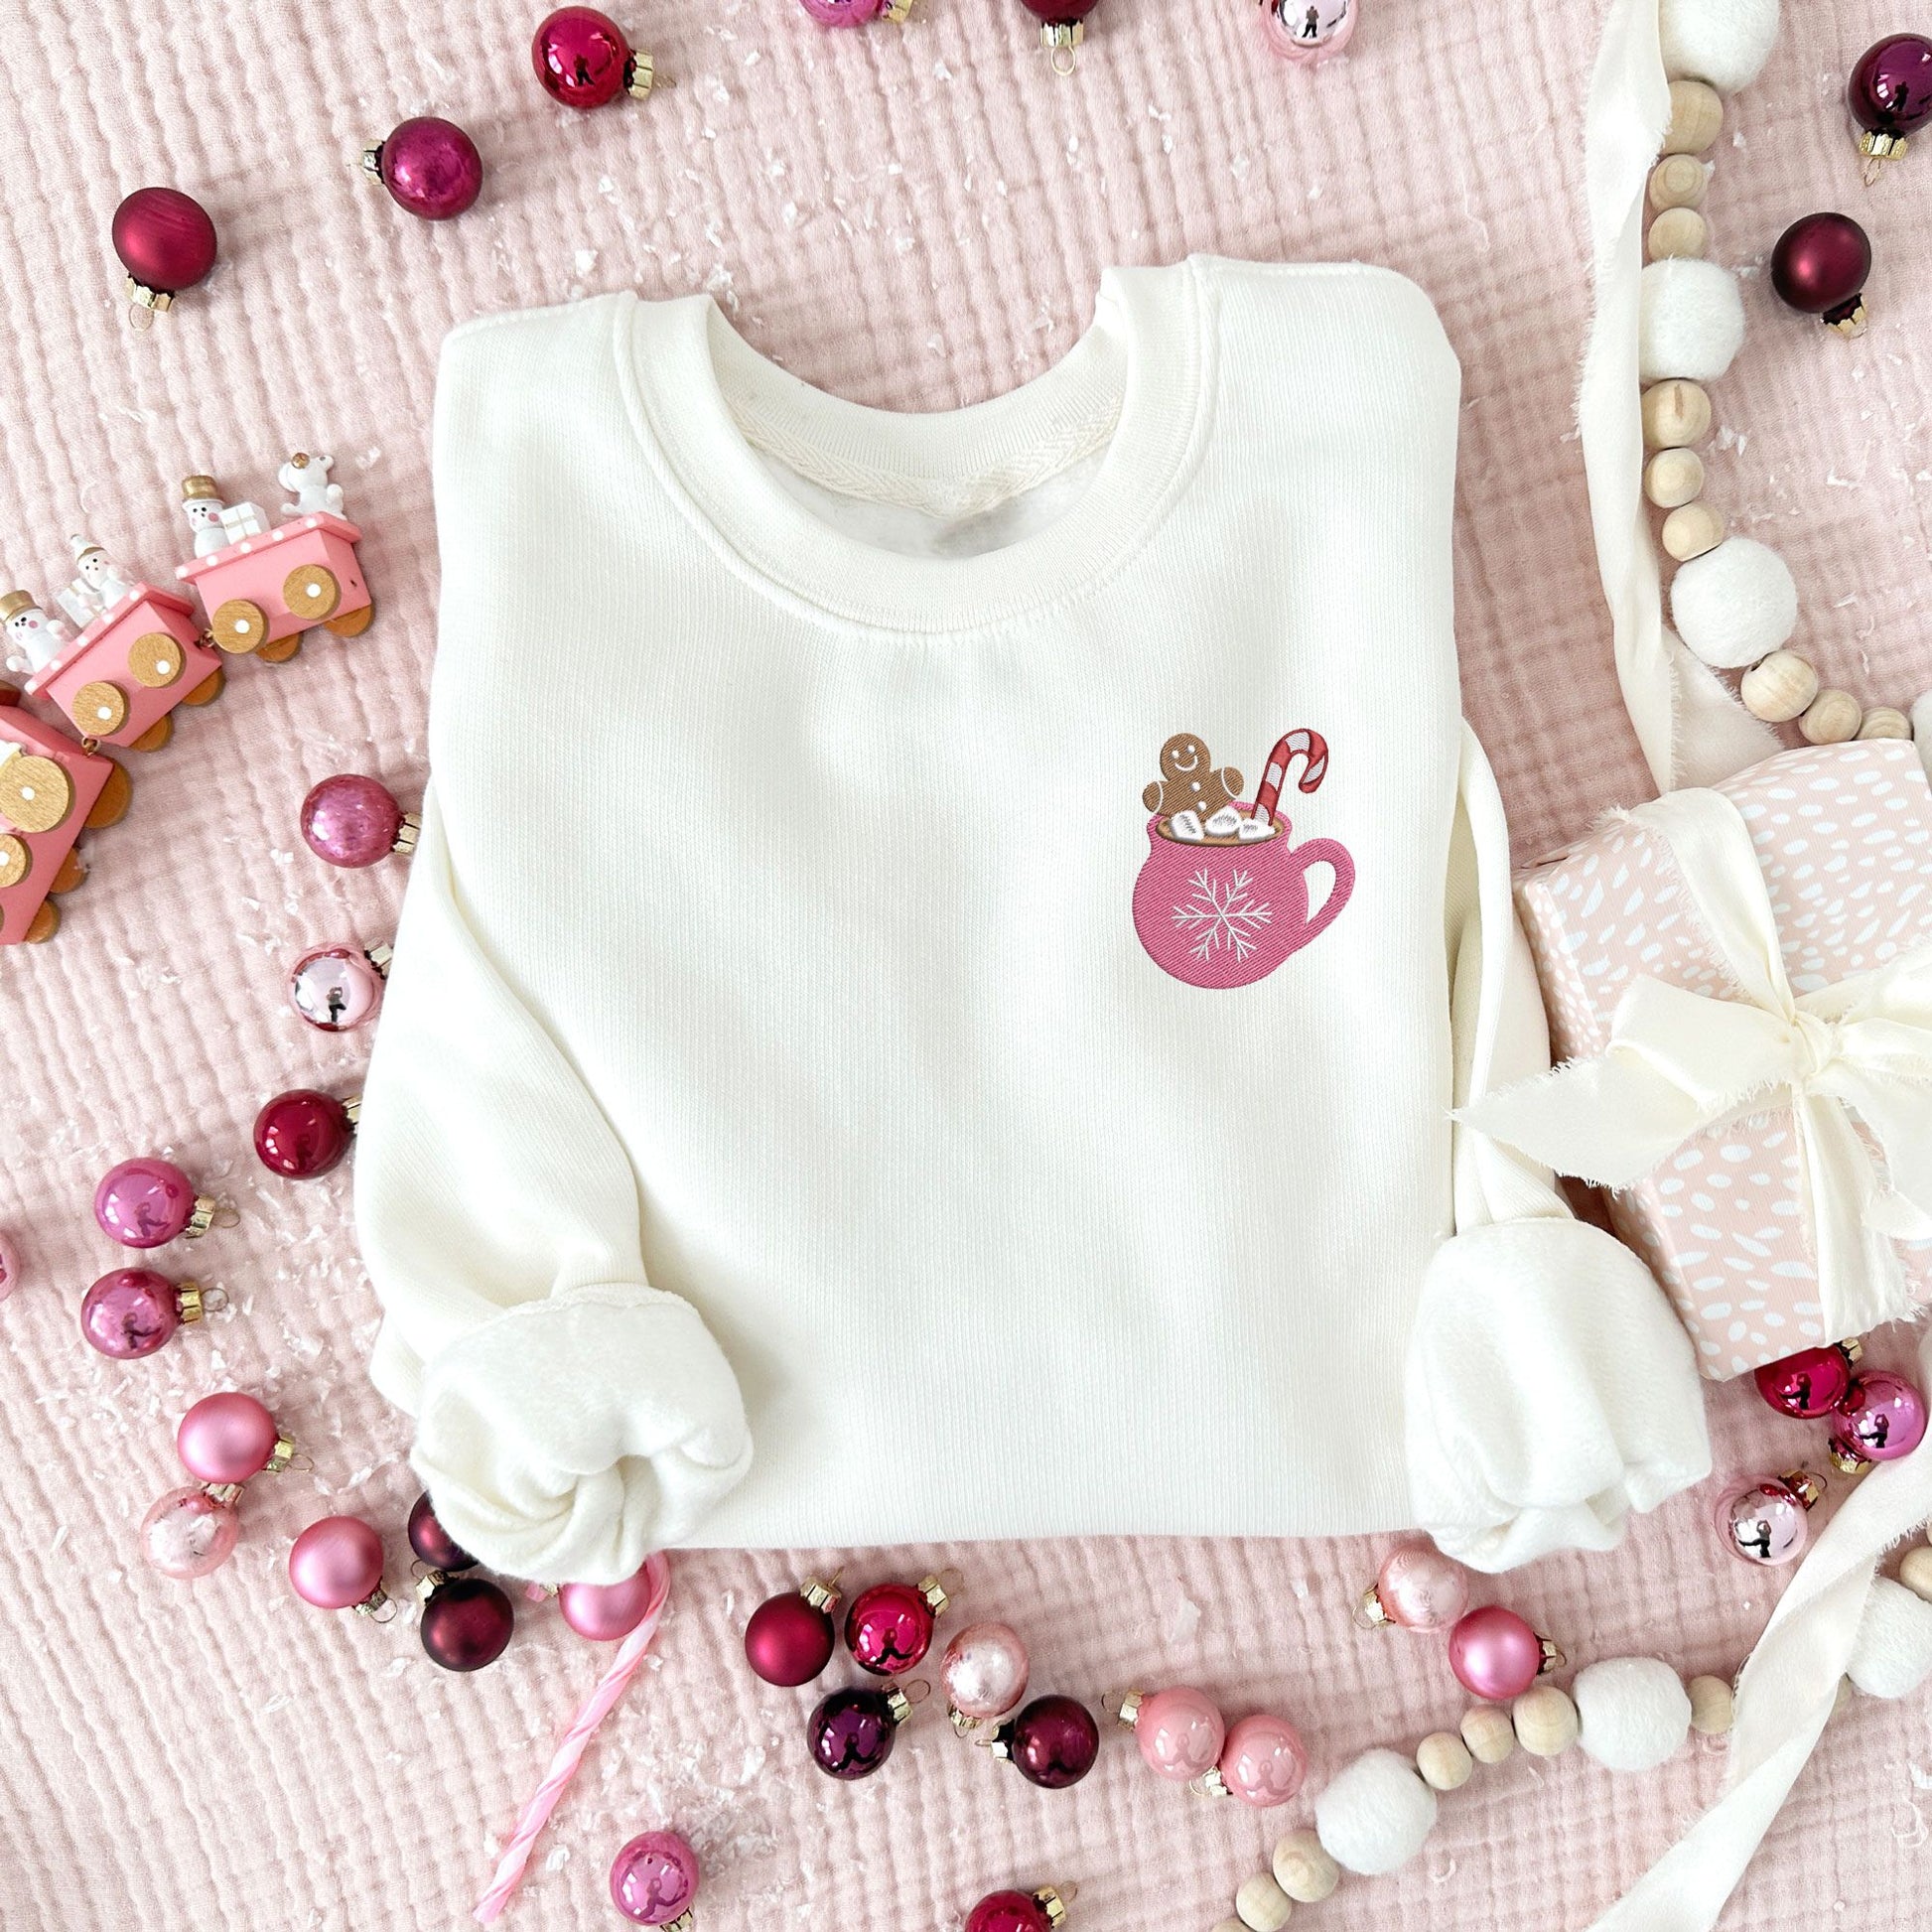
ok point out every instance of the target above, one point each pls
(1710, 1706)
(1444, 1761)
(1305, 1871)
(1261, 1904)
(1546, 1721)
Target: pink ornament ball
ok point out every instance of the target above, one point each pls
(188, 1534)
(1421, 1589)
(1307, 31)
(604, 1612)
(351, 821)
(336, 988)
(9, 1267)
(430, 166)
(654, 1878)
(1494, 1654)
(844, 13)
(144, 1203)
(1181, 1733)
(1766, 1523)
(1807, 1385)
(166, 242)
(130, 1312)
(1882, 1418)
(303, 1135)
(1264, 1761)
(226, 1437)
(984, 1672)
(790, 1638)
(337, 1564)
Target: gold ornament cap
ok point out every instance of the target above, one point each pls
(1053, 1901)
(821, 1596)
(14, 602)
(159, 299)
(1808, 1489)
(187, 1301)
(196, 490)
(642, 76)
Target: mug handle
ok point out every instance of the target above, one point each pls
(1334, 855)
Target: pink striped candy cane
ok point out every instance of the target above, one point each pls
(572, 1747)
(1295, 745)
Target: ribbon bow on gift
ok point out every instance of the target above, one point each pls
(1679, 1062)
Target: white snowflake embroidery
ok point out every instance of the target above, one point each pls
(1223, 919)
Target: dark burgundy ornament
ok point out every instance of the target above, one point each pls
(851, 1733)
(1052, 1742)
(1811, 1383)
(433, 1543)
(166, 242)
(429, 166)
(584, 61)
(789, 1638)
(889, 1626)
(466, 1622)
(303, 1134)
(1820, 266)
(1889, 95)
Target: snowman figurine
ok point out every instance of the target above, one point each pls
(98, 585)
(215, 523)
(306, 478)
(33, 639)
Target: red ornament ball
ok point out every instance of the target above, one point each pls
(1059, 13)
(1807, 1385)
(889, 1629)
(433, 1543)
(166, 242)
(1010, 1911)
(789, 1638)
(1052, 1742)
(467, 1623)
(1820, 266)
(302, 1135)
(584, 61)
(429, 166)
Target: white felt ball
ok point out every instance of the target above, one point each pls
(1723, 41)
(1690, 321)
(1635, 1712)
(1734, 604)
(1374, 1814)
(1893, 1654)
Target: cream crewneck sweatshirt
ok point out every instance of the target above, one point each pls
(867, 1057)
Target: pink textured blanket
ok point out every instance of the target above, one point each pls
(910, 217)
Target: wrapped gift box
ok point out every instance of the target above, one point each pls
(1844, 836)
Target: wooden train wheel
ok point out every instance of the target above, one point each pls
(72, 871)
(311, 591)
(208, 689)
(282, 650)
(14, 860)
(238, 625)
(156, 736)
(351, 623)
(43, 925)
(115, 798)
(155, 659)
(35, 793)
(99, 708)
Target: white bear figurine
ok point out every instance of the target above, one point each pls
(306, 478)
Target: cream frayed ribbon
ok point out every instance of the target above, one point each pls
(1679, 1062)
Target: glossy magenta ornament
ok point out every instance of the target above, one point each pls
(1263, 1762)
(353, 821)
(851, 1733)
(133, 1311)
(584, 61)
(1889, 95)
(189, 1533)
(1811, 1383)
(1416, 1587)
(1820, 266)
(1181, 1731)
(606, 1612)
(166, 242)
(984, 1674)
(1767, 1522)
(1881, 1418)
(1062, 27)
(148, 1202)
(335, 987)
(1308, 31)
(429, 166)
(854, 12)
(1052, 1742)
(889, 1629)
(432, 1542)
(230, 1437)
(790, 1637)
(1020, 1911)
(1496, 1656)
(467, 1623)
(302, 1135)
(9, 1267)
(654, 1879)
(337, 1565)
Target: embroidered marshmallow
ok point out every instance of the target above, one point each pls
(1187, 826)
(1225, 823)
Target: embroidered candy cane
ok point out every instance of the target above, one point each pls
(1296, 744)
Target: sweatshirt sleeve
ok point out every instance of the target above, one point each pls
(570, 1418)
(1550, 1388)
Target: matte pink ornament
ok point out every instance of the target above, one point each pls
(353, 821)
(1496, 1656)
(228, 1438)
(335, 987)
(429, 166)
(189, 1533)
(1809, 1384)
(654, 1879)
(1181, 1731)
(984, 1674)
(9, 1267)
(1767, 1522)
(1308, 31)
(133, 1311)
(337, 1565)
(604, 1612)
(1882, 1418)
(1416, 1587)
(147, 1202)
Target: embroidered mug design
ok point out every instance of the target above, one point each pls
(1223, 897)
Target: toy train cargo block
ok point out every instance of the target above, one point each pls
(262, 593)
(50, 791)
(122, 677)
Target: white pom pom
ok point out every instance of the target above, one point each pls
(1690, 321)
(1734, 604)
(1635, 1712)
(1374, 1814)
(1893, 1654)
(1723, 41)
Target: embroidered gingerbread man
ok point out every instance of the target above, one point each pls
(1188, 781)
